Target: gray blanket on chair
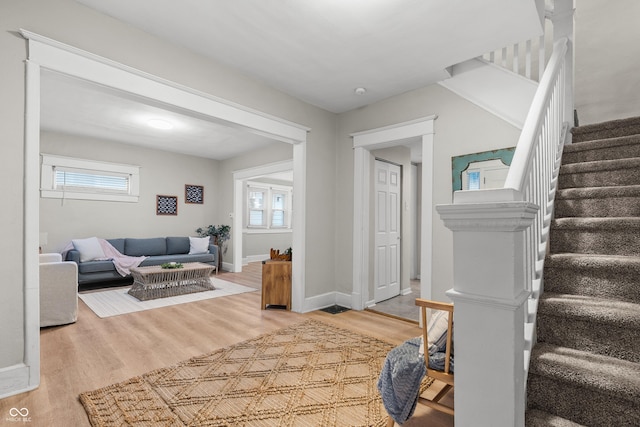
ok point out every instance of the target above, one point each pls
(399, 382)
(402, 373)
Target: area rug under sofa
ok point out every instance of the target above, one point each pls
(113, 302)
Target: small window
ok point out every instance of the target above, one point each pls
(71, 178)
(268, 206)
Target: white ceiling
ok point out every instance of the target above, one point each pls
(316, 50)
(321, 50)
(74, 106)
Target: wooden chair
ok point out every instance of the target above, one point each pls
(446, 376)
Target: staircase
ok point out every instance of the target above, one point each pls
(585, 367)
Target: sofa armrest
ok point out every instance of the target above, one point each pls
(58, 293)
(50, 257)
(73, 255)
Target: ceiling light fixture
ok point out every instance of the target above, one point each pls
(160, 124)
(360, 91)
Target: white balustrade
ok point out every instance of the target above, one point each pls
(500, 240)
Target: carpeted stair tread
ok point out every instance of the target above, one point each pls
(608, 129)
(600, 165)
(601, 326)
(602, 149)
(608, 375)
(600, 173)
(599, 192)
(615, 201)
(606, 236)
(604, 276)
(594, 309)
(608, 223)
(536, 418)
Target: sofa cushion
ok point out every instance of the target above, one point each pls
(89, 249)
(198, 245)
(95, 266)
(118, 244)
(177, 245)
(145, 247)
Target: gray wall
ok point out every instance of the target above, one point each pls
(461, 128)
(161, 172)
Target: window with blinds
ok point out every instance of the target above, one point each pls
(73, 178)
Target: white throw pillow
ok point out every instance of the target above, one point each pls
(437, 330)
(198, 245)
(89, 249)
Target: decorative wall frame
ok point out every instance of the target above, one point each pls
(166, 205)
(461, 163)
(194, 194)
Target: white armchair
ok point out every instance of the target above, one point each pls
(58, 290)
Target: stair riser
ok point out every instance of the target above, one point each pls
(599, 208)
(579, 404)
(601, 283)
(623, 241)
(589, 335)
(629, 176)
(605, 153)
(632, 129)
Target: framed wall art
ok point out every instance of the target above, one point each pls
(166, 205)
(194, 194)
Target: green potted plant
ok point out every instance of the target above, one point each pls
(218, 234)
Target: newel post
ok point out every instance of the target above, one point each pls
(491, 286)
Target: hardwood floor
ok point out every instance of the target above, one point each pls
(94, 352)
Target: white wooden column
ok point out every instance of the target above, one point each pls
(490, 292)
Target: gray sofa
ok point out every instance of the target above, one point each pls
(159, 250)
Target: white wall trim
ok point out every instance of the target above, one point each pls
(254, 258)
(25, 376)
(45, 53)
(363, 143)
(326, 300)
(72, 61)
(298, 222)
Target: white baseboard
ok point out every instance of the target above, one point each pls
(15, 379)
(254, 258)
(326, 300)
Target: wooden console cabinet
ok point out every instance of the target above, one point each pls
(276, 284)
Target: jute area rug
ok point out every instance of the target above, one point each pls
(308, 374)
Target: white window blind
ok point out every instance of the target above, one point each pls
(73, 178)
(90, 181)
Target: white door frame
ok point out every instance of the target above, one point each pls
(363, 143)
(45, 53)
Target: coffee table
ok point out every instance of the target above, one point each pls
(156, 282)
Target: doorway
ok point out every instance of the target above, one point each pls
(45, 53)
(420, 131)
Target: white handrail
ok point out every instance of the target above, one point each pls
(521, 161)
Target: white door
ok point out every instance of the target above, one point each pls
(387, 231)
